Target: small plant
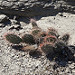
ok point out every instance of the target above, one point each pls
(50, 39)
(33, 22)
(29, 47)
(47, 42)
(38, 34)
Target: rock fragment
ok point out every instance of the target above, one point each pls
(3, 18)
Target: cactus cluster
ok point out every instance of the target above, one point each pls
(47, 41)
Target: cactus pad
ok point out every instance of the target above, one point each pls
(47, 48)
(12, 38)
(28, 38)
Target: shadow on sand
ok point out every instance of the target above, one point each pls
(61, 58)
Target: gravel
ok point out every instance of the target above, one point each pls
(15, 62)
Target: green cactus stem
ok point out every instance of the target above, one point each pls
(28, 38)
(12, 38)
(47, 48)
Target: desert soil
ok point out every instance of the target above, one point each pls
(15, 62)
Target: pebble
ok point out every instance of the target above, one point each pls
(2, 25)
(73, 70)
(14, 22)
(72, 66)
(3, 18)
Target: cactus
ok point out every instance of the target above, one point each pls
(47, 48)
(33, 22)
(35, 31)
(50, 39)
(38, 33)
(52, 31)
(48, 44)
(28, 38)
(42, 34)
(41, 40)
(12, 38)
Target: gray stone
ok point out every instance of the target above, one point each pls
(15, 26)
(7, 4)
(73, 71)
(36, 7)
(2, 25)
(3, 18)
(72, 66)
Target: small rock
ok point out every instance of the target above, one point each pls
(73, 70)
(67, 70)
(2, 25)
(72, 66)
(3, 18)
(23, 24)
(16, 26)
(60, 14)
(14, 22)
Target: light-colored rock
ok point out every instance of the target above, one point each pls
(14, 22)
(73, 71)
(2, 25)
(3, 18)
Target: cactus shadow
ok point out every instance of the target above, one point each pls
(17, 47)
(62, 59)
(33, 53)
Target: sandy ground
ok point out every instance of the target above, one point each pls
(14, 62)
(63, 24)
